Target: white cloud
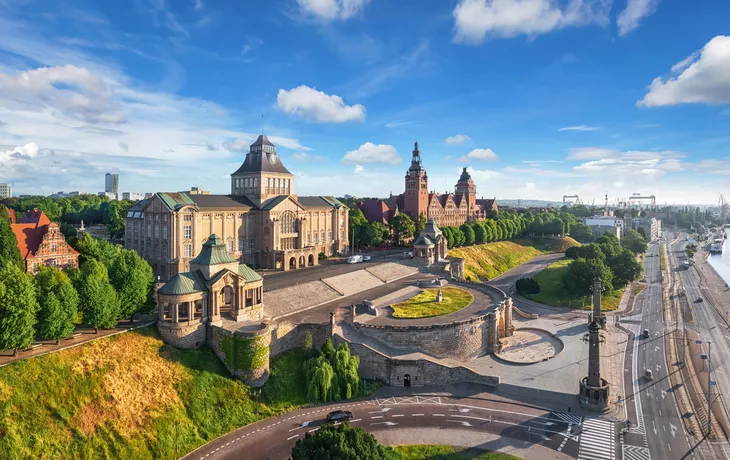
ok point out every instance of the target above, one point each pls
(359, 169)
(301, 156)
(479, 155)
(476, 20)
(397, 123)
(458, 139)
(579, 128)
(589, 153)
(75, 91)
(702, 78)
(318, 106)
(635, 11)
(243, 143)
(484, 174)
(332, 9)
(371, 153)
(645, 164)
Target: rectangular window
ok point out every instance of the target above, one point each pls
(251, 244)
(188, 250)
(157, 230)
(241, 244)
(188, 218)
(315, 237)
(230, 245)
(53, 248)
(187, 232)
(149, 230)
(329, 235)
(164, 232)
(164, 251)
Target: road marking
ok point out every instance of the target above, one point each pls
(417, 415)
(384, 423)
(377, 416)
(463, 422)
(397, 415)
(439, 415)
(355, 420)
(292, 437)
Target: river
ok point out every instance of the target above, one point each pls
(721, 262)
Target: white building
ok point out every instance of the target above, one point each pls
(133, 196)
(602, 224)
(6, 190)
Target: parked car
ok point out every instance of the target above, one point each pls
(339, 416)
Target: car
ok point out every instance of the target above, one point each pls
(649, 375)
(646, 333)
(339, 416)
(366, 258)
(354, 259)
(699, 300)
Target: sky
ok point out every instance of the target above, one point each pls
(539, 98)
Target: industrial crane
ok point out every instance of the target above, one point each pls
(724, 208)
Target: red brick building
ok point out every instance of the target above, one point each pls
(446, 209)
(40, 241)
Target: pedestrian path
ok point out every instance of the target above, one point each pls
(597, 441)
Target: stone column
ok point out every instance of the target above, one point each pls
(191, 310)
(161, 311)
(175, 312)
(508, 316)
(594, 355)
(492, 334)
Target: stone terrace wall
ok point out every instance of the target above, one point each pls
(287, 335)
(255, 376)
(461, 340)
(422, 372)
(181, 335)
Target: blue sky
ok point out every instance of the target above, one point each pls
(540, 98)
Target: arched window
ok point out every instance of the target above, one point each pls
(288, 222)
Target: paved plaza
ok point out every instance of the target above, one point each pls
(530, 346)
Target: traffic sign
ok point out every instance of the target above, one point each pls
(698, 341)
(712, 382)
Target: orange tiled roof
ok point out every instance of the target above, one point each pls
(29, 232)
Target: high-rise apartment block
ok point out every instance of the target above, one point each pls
(6, 190)
(111, 183)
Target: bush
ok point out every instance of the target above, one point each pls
(527, 286)
(321, 256)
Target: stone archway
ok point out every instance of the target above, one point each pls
(310, 262)
(227, 299)
(292, 263)
(302, 262)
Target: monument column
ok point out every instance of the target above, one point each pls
(594, 390)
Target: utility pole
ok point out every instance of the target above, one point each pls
(709, 387)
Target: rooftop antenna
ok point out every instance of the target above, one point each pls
(263, 126)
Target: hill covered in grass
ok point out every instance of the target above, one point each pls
(131, 396)
(492, 259)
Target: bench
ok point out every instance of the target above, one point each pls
(34, 346)
(74, 336)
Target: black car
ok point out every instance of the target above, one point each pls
(699, 299)
(339, 416)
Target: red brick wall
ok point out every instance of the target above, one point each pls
(53, 249)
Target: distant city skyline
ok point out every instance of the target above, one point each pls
(559, 102)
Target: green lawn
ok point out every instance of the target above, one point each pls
(441, 452)
(132, 396)
(553, 293)
(424, 304)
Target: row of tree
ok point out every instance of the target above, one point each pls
(613, 261)
(111, 284)
(70, 211)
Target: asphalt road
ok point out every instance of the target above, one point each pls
(274, 438)
(658, 415)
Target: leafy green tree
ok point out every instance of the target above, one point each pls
(580, 274)
(58, 302)
(581, 233)
(468, 234)
(459, 237)
(572, 252)
(98, 299)
(94, 248)
(374, 234)
(9, 252)
(341, 442)
(590, 251)
(625, 268)
(332, 375)
(421, 224)
(634, 242)
(449, 235)
(18, 307)
(642, 232)
(480, 233)
(609, 244)
(134, 282)
(403, 227)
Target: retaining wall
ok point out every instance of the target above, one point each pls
(286, 336)
(183, 335)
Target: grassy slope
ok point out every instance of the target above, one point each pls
(441, 452)
(131, 396)
(552, 292)
(424, 304)
(492, 259)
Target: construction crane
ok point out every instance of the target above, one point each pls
(724, 208)
(573, 199)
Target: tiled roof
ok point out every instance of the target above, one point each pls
(11, 215)
(262, 160)
(140, 205)
(376, 211)
(262, 140)
(213, 253)
(311, 202)
(184, 283)
(424, 241)
(248, 273)
(28, 237)
(229, 202)
(334, 202)
(274, 202)
(173, 200)
(34, 217)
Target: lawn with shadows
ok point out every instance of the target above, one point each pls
(424, 304)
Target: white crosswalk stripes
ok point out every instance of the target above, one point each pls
(636, 453)
(597, 440)
(567, 418)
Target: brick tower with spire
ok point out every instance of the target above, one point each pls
(415, 198)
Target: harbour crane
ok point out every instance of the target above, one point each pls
(724, 208)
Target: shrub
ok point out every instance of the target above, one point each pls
(527, 286)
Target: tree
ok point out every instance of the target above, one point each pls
(581, 232)
(625, 268)
(578, 278)
(590, 251)
(58, 303)
(98, 299)
(634, 242)
(403, 227)
(609, 244)
(527, 286)
(9, 252)
(374, 234)
(572, 252)
(134, 282)
(642, 232)
(94, 248)
(459, 237)
(468, 234)
(18, 307)
(341, 442)
(333, 374)
(480, 233)
(421, 224)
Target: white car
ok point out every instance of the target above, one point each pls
(365, 258)
(354, 259)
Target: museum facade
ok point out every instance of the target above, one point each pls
(262, 222)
